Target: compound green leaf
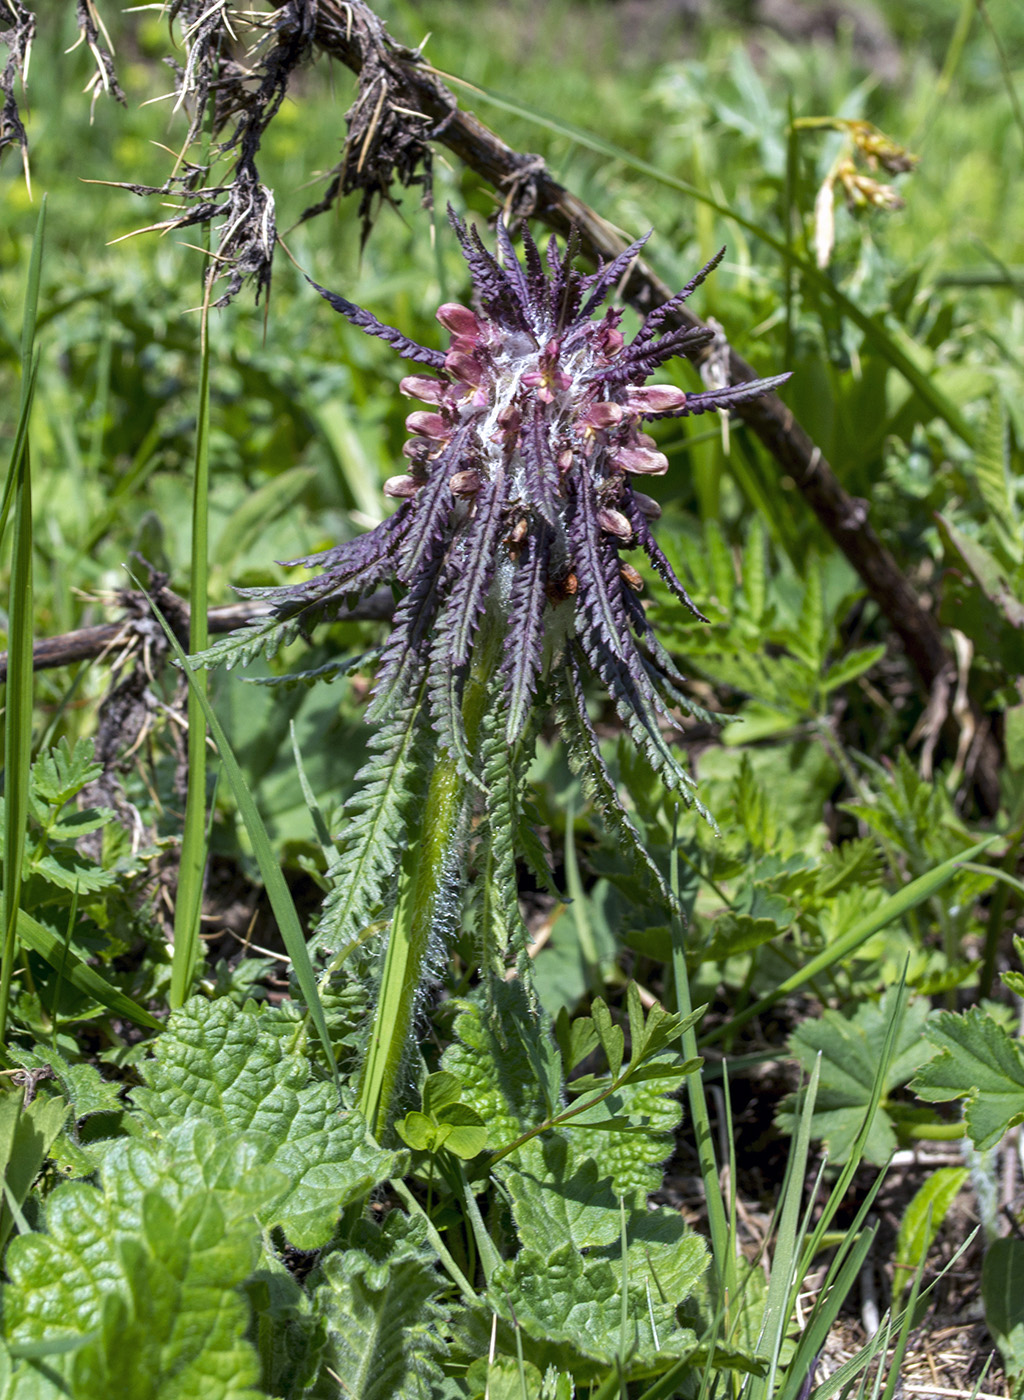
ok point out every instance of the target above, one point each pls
(979, 1062)
(849, 1062)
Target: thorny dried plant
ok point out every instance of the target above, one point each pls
(234, 77)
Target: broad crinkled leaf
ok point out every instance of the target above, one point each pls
(243, 1070)
(979, 1062)
(558, 1198)
(849, 1049)
(147, 1268)
(571, 1299)
(377, 1298)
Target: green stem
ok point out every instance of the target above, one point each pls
(189, 903)
(424, 877)
(721, 1253)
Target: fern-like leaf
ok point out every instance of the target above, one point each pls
(373, 837)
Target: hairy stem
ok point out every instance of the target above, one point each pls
(426, 876)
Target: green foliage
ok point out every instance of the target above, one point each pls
(922, 1221)
(844, 811)
(377, 1301)
(445, 1122)
(243, 1071)
(143, 1272)
(1002, 1291)
(848, 1046)
(980, 1062)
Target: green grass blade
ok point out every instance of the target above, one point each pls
(898, 904)
(82, 977)
(189, 902)
(18, 716)
(788, 1240)
(883, 340)
(270, 872)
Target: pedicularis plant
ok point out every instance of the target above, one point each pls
(517, 509)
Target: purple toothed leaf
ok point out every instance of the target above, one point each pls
(656, 319)
(607, 278)
(366, 321)
(732, 394)
(524, 640)
(654, 553)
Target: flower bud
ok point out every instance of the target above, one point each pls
(464, 367)
(401, 487)
(655, 398)
(631, 577)
(425, 424)
(609, 341)
(458, 319)
(613, 522)
(418, 447)
(466, 483)
(419, 386)
(602, 415)
(646, 505)
(642, 461)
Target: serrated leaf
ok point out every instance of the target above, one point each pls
(503, 1379)
(147, 1270)
(569, 1299)
(62, 772)
(613, 1041)
(633, 1160)
(27, 1135)
(86, 1091)
(922, 1221)
(979, 1062)
(490, 1060)
(241, 1070)
(562, 1198)
(738, 933)
(77, 824)
(378, 1302)
(576, 1038)
(849, 667)
(69, 870)
(849, 1062)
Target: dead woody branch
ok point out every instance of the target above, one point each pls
(107, 639)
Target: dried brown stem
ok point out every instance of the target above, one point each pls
(88, 643)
